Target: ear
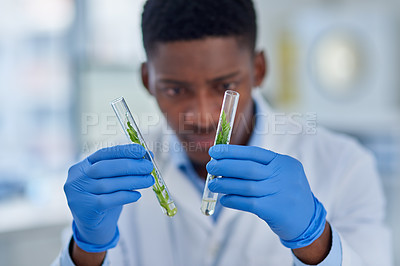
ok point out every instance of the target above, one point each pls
(145, 76)
(260, 68)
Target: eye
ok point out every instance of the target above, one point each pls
(173, 91)
(227, 86)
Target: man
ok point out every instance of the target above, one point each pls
(290, 198)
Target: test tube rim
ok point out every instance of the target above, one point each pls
(119, 99)
(232, 93)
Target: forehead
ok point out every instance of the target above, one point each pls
(209, 56)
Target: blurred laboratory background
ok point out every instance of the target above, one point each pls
(63, 61)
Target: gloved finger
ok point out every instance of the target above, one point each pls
(248, 204)
(239, 169)
(119, 198)
(146, 156)
(240, 187)
(114, 184)
(133, 151)
(239, 152)
(119, 167)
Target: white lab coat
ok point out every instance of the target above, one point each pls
(341, 174)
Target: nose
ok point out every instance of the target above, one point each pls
(206, 109)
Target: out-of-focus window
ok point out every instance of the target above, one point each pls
(36, 91)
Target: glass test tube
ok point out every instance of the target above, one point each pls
(223, 136)
(133, 133)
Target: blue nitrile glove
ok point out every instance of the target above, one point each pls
(270, 185)
(98, 187)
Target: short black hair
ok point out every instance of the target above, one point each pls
(184, 20)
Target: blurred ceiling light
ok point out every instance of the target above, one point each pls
(337, 62)
(49, 15)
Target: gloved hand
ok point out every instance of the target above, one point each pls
(98, 187)
(270, 185)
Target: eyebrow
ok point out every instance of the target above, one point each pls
(224, 77)
(173, 81)
(217, 79)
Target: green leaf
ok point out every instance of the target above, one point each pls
(133, 135)
(223, 134)
(160, 191)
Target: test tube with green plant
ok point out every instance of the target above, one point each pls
(223, 136)
(133, 133)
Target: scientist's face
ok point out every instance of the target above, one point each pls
(188, 80)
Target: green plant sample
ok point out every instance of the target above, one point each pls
(161, 192)
(133, 135)
(223, 134)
